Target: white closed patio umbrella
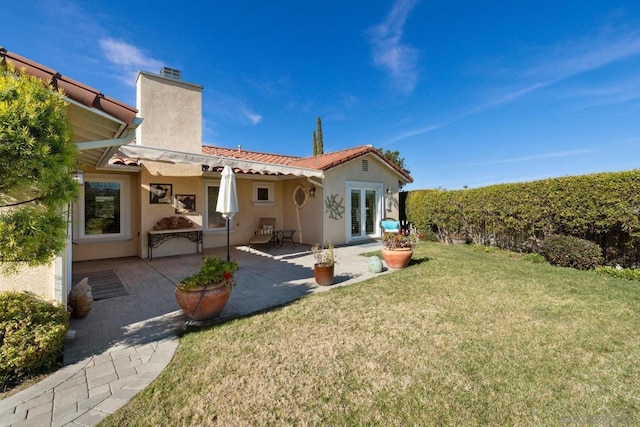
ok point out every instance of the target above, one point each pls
(227, 203)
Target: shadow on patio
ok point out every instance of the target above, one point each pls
(268, 277)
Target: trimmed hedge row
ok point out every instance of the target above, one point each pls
(31, 336)
(603, 208)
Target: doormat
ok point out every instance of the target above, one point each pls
(104, 284)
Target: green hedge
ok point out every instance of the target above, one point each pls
(31, 336)
(603, 208)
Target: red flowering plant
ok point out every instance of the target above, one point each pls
(402, 240)
(214, 273)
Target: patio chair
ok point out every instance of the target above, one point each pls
(265, 233)
(390, 225)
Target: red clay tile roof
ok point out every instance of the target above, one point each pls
(75, 90)
(320, 162)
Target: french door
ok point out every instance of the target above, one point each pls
(365, 207)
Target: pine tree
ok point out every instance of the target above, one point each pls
(320, 142)
(315, 144)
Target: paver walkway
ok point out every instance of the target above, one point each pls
(125, 342)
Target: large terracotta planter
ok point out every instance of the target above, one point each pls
(397, 258)
(202, 304)
(323, 274)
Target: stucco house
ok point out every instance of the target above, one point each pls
(132, 185)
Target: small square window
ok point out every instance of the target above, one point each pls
(263, 193)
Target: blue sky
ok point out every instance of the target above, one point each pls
(470, 93)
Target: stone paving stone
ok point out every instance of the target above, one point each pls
(90, 418)
(39, 420)
(102, 380)
(60, 412)
(112, 404)
(36, 401)
(70, 395)
(95, 372)
(10, 419)
(86, 404)
(99, 390)
(70, 383)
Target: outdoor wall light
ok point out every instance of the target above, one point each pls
(78, 176)
(312, 191)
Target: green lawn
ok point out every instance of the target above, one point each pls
(460, 337)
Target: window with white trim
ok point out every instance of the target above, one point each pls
(103, 208)
(263, 193)
(214, 221)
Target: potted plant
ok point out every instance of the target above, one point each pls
(459, 238)
(323, 269)
(203, 295)
(397, 248)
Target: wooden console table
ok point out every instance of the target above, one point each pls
(158, 237)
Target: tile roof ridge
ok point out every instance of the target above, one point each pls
(242, 150)
(358, 148)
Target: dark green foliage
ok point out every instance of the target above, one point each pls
(602, 208)
(394, 157)
(319, 140)
(568, 251)
(31, 336)
(36, 158)
(315, 143)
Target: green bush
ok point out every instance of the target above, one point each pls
(622, 273)
(31, 337)
(602, 208)
(534, 258)
(568, 251)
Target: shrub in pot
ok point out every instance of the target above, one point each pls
(397, 248)
(323, 269)
(204, 294)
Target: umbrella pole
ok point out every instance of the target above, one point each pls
(228, 258)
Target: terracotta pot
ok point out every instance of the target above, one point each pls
(323, 274)
(397, 258)
(202, 304)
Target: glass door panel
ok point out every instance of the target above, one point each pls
(370, 211)
(356, 215)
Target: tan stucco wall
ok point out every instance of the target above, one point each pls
(35, 280)
(335, 230)
(86, 250)
(171, 112)
(307, 221)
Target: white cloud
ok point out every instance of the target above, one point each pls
(569, 153)
(390, 53)
(128, 58)
(569, 59)
(253, 117)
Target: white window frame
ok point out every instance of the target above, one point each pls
(205, 219)
(271, 201)
(125, 210)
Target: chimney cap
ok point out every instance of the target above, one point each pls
(171, 73)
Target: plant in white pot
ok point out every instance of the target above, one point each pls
(323, 269)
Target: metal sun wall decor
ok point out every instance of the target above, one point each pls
(334, 207)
